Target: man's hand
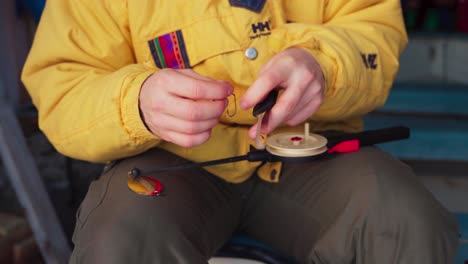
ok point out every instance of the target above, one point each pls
(181, 106)
(298, 73)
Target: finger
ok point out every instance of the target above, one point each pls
(194, 88)
(186, 140)
(170, 123)
(253, 129)
(305, 113)
(190, 110)
(286, 104)
(253, 132)
(193, 74)
(266, 82)
(310, 94)
(269, 64)
(180, 138)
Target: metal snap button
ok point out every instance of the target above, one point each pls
(251, 53)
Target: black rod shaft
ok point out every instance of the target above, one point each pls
(196, 165)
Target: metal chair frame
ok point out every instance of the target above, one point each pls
(18, 161)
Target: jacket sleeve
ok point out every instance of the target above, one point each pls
(83, 79)
(358, 47)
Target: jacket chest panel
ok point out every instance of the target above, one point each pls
(304, 11)
(186, 34)
(196, 30)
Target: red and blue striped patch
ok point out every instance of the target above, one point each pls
(169, 51)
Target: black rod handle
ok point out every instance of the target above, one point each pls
(371, 137)
(266, 104)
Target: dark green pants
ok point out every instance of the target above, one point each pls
(364, 207)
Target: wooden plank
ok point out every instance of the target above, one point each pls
(463, 218)
(30, 189)
(431, 139)
(457, 57)
(435, 98)
(462, 255)
(423, 59)
(435, 57)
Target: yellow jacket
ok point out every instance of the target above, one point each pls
(90, 58)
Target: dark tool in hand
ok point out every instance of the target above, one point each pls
(259, 111)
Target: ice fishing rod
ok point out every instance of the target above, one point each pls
(282, 147)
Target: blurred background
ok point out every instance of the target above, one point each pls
(40, 190)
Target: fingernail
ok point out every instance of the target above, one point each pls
(229, 87)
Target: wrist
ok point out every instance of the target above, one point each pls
(132, 117)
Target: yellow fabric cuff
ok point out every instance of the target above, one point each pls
(131, 118)
(328, 66)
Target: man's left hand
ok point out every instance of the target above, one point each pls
(297, 72)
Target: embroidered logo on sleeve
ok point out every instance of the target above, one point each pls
(252, 5)
(370, 60)
(169, 51)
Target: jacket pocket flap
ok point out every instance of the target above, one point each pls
(187, 47)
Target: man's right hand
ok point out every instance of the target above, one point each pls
(181, 106)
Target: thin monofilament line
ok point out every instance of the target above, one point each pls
(196, 165)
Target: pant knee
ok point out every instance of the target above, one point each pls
(135, 237)
(389, 215)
